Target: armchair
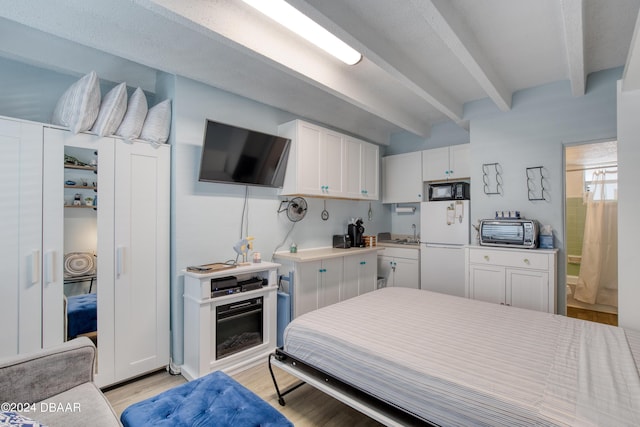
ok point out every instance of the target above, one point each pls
(54, 386)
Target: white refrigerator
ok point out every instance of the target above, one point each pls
(444, 230)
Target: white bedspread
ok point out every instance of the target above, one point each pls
(456, 361)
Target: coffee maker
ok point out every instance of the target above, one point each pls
(356, 232)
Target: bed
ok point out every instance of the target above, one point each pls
(444, 360)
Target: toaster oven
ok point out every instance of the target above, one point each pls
(521, 233)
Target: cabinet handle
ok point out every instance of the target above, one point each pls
(486, 257)
(451, 172)
(363, 262)
(526, 261)
(49, 260)
(35, 267)
(446, 172)
(119, 260)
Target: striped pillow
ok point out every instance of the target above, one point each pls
(112, 110)
(78, 107)
(134, 117)
(158, 123)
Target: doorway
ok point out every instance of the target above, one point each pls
(591, 215)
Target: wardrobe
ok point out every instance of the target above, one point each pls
(46, 175)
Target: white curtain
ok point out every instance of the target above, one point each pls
(598, 278)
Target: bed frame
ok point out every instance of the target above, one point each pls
(380, 410)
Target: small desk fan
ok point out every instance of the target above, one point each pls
(295, 208)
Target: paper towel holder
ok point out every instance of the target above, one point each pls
(405, 209)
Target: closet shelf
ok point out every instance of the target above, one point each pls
(86, 168)
(80, 206)
(82, 187)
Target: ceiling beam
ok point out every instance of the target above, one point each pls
(445, 21)
(573, 24)
(421, 85)
(274, 44)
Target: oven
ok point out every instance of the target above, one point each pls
(239, 326)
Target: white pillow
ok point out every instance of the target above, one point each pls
(112, 110)
(78, 107)
(134, 117)
(158, 123)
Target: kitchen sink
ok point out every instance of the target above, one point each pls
(401, 242)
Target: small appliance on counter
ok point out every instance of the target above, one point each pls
(509, 232)
(341, 241)
(356, 232)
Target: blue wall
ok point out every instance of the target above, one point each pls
(31, 93)
(542, 120)
(207, 217)
(442, 135)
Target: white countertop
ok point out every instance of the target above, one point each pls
(304, 255)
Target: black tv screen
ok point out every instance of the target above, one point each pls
(235, 155)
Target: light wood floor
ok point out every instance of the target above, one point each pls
(594, 316)
(305, 407)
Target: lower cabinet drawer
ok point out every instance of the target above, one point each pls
(520, 259)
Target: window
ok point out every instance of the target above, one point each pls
(593, 176)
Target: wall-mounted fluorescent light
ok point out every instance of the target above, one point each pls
(288, 16)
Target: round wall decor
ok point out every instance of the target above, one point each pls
(79, 264)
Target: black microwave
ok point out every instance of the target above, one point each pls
(449, 191)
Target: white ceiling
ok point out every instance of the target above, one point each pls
(423, 59)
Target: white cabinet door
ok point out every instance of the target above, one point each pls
(402, 178)
(370, 171)
(330, 282)
(102, 230)
(487, 283)
(305, 295)
(385, 269)
(528, 289)
(361, 169)
(331, 164)
(435, 164)
(317, 284)
(407, 273)
(309, 147)
(446, 163)
(460, 161)
(398, 271)
(141, 211)
(359, 275)
(353, 168)
(21, 230)
(53, 320)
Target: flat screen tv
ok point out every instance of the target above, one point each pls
(235, 155)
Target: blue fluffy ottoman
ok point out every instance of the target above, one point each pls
(213, 400)
(82, 314)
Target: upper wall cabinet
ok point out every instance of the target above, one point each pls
(325, 163)
(446, 163)
(361, 170)
(402, 178)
